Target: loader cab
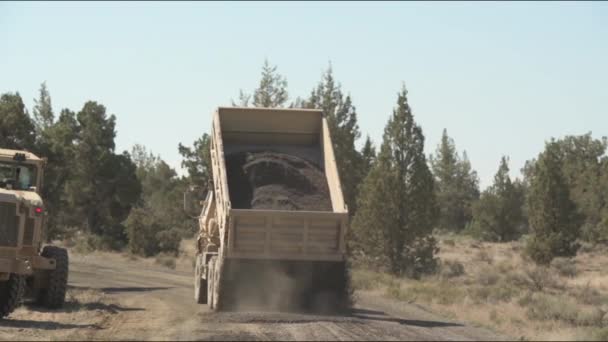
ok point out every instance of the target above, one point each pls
(20, 171)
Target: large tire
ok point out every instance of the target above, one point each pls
(200, 284)
(211, 284)
(53, 295)
(11, 294)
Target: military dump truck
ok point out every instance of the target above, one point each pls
(273, 222)
(26, 268)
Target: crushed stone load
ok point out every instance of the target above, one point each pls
(277, 181)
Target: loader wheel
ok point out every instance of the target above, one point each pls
(211, 284)
(200, 284)
(11, 294)
(53, 296)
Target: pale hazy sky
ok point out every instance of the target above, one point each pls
(501, 77)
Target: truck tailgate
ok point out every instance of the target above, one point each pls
(286, 235)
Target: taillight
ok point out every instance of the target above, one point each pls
(38, 210)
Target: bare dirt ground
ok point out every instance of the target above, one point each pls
(113, 297)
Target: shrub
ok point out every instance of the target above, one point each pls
(540, 278)
(590, 317)
(442, 292)
(451, 269)
(147, 236)
(420, 257)
(598, 335)
(589, 295)
(484, 256)
(544, 307)
(517, 279)
(367, 280)
(449, 242)
(500, 292)
(166, 260)
(487, 276)
(566, 267)
(587, 247)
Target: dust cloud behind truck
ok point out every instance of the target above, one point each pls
(273, 223)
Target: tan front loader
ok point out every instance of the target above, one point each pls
(26, 267)
(276, 258)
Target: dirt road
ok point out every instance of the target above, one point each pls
(113, 297)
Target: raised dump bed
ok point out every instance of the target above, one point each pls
(272, 229)
(302, 214)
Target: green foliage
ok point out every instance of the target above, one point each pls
(498, 216)
(158, 223)
(16, 127)
(457, 185)
(584, 168)
(553, 215)
(166, 260)
(342, 121)
(43, 111)
(197, 160)
(103, 186)
(397, 208)
(270, 93)
(368, 156)
(451, 269)
(566, 267)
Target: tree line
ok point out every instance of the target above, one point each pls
(397, 196)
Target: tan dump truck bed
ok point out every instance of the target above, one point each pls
(277, 234)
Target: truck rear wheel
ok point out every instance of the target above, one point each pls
(53, 295)
(200, 284)
(11, 294)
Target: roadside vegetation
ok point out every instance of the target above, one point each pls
(492, 285)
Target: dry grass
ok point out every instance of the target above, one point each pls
(491, 285)
(166, 260)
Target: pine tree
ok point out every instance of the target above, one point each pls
(16, 127)
(342, 121)
(497, 216)
(43, 110)
(103, 186)
(397, 207)
(457, 185)
(368, 156)
(553, 216)
(272, 91)
(58, 146)
(197, 161)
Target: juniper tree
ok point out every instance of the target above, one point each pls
(553, 217)
(272, 91)
(197, 161)
(397, 206)
(43, 110)
(103, 186)
(16, 127)
(368, 156)
(497, 215)
(342, 121)
(457, 185)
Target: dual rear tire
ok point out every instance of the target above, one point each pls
(200, 284)
(11, 294)
(53, 294)
(206, 290)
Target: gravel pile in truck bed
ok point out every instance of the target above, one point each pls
(278, 181)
